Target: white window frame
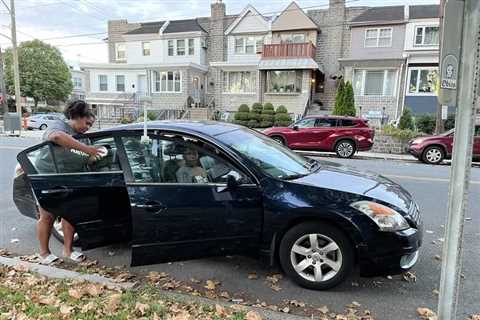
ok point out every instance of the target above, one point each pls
(184, 47)
(415, 44)
(100, 82)
(77, 82)
(174, 51)
(227, 82)
(385, 75)
(144, 50)
(161, 81)
(377, 45)
(190, 49)
(417, 93)
(117, 83)
(117, 45)
(256, 40)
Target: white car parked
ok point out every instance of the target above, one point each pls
(42, 121)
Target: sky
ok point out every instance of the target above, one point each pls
(77, 27)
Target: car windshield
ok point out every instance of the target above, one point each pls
(271, 157)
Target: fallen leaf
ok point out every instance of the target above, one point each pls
(275, 288)
(354, 305)
(409, 276)
(437, 257)
(211, 285)
(141, 308)
(474, 317)
(195, 280)
(88, 307)
(94, 290)
(113, 302)
(341, 317)
(323, 309)
(66, 310)
(225, 295)
(285, 310)
(426, 313)
(252, 276)
(47, 300)
(155, 276)
(76, 293)
(389, 277)
(252, 315)
(220, 311)
(297, 304)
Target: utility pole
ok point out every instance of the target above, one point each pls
(16, 71)
(2, 86)
(460, 62)
(439, 121)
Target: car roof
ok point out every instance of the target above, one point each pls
(211, 128)
(333, 117)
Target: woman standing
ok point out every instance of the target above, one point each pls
(79, 120)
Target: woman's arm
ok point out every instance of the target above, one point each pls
(65, 140)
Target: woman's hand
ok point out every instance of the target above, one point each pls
(93, 152)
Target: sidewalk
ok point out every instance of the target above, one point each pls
(362, 155)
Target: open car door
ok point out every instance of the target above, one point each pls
(91, 196)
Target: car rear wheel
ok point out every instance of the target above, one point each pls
(43, 127)
(345, 148)
(433, 155)
(316, 255)
(279, 139)
(57, 232)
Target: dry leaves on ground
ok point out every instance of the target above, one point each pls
(426, 314)
(474, 317)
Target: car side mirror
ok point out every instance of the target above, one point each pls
(232, 182)
(295, 128)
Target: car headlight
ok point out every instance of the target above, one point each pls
(416, 141)
(386, 218)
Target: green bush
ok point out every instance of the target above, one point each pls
(253, 124)
(281, 109)
(425, 123)
(268, 106)
(151, 115)
(266, 124)
(401, 134)
(267, 117)
(241, 122)
(241, 116)
(282, 120)
(254, 116)
(257, 107)
(338, 109)
(126, 120)
(406, 120)
(349, 101)
(283, 123)
(243, 108)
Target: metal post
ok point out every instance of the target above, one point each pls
(462, 159)
(16, 71)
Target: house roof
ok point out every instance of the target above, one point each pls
(293, 18)
(188, 25)
(147, 27)
(380, 14)
(247, 10)
(424, 11)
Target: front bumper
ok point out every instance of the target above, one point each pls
(415, 150)
(398, 253)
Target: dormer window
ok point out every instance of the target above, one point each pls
(426, 36)
(120, 52)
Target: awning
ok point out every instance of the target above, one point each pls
(276, 64)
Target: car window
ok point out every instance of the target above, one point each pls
(477, 131)
(306, 123)
(170, 161)
(325, 122)
(346, 123)
(51, 158)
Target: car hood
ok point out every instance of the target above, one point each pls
(346, 179)
(277, 130)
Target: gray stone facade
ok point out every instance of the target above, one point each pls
(116, 28)
(388, 144)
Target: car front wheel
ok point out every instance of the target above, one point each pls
(278, 139)
(43, 127)
(433, 155)
(316, 255)
(345, 148)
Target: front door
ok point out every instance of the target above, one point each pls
(181, 206)
(196, 89)
(91, 196)
(142, 83)
(303, 134)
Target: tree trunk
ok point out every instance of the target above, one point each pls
(35, 104)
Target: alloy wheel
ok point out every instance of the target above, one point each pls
(433, 155)
(345, 149)
(316, 257)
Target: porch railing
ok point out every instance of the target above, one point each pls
(289, 50)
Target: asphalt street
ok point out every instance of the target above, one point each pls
(386, 298)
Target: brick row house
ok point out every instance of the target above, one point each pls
(294, 58)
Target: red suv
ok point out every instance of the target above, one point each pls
(434, 149)
(344, 135)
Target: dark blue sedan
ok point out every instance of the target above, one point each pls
(198, 189)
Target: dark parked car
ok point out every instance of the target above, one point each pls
(199, 189)
(343, 135)
(434, 149)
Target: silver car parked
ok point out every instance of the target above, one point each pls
(43, 121)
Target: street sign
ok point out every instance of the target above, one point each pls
(450, 51)
(444, 112)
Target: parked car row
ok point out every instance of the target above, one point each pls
(247, 195)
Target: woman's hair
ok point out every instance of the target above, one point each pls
(78, 109)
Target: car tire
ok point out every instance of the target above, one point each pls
(307, 264)
(345, 148)
(279, 139)
(58, 234)
(43, 127)
(433, 155)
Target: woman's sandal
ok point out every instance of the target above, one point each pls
(76, 256)
(51, 258)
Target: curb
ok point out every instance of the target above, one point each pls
(58, 273)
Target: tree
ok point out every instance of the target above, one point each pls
(406, 120)
(338, 110)
(43, 72)
(348, 100)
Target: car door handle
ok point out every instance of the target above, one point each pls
(151, 206)
(57, 191)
